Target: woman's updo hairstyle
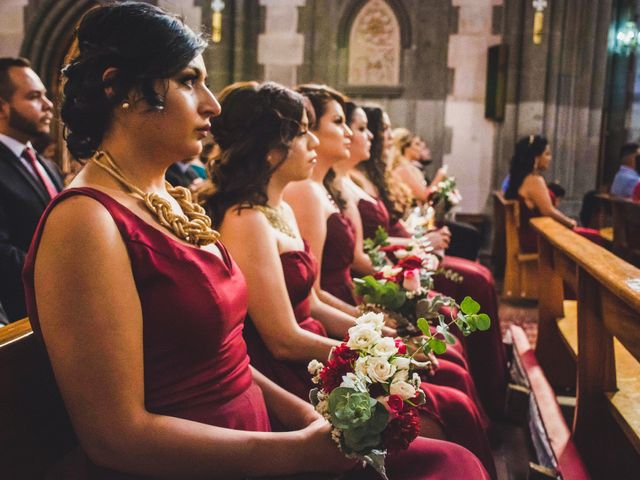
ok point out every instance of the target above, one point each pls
(255, 119)
(523, 162)
(144, 43)
(319, 96)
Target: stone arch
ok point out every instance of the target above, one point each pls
(47, 41)
(49, 35)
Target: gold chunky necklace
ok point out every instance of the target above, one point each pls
(194, 226)
(275, 219)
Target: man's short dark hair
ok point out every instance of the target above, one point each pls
(7, 88)
(628, 149)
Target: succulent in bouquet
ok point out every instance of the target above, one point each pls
(369, 390)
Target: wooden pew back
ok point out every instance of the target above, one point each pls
(607, 418)
(35, 432)
(520, 274)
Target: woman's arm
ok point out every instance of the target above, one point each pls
(92, 327)
(334, 320)
(308, 203)
(252, 243)
(292, 412)
(535, 188)
(412, 178)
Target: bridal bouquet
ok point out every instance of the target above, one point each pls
(369, 391)
(404, 293)
(447, 191)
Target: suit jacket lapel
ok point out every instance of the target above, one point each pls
(53, 173)
(17, 165)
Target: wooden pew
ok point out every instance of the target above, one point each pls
(35, 433)
(521, 269)
(598, 340)
(626, 229)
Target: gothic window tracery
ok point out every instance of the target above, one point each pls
(374, 46)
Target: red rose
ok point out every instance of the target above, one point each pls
(401, 430)
(392, 248)
(341, 363)
(410, 263)
(395, 404)
(400, 345)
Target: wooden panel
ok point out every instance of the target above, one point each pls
(566, 268)
(625, 403)
(601, 264)
(622, 322)
(35, 431)
(568, 325)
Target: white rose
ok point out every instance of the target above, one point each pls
(314, 367)
(402, 363)
(403, 389)
(401, 253)
(385, 347)
(401, 375)
(375, 320)
(379, 369)
(361, 337)
(416, 380)
(361, 367)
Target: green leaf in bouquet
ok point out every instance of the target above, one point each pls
(349, 408)
(449, 338)
(483, 322)
(438, 346)
(469, 306)
(381, 237)
(366, 436)
(423, 325)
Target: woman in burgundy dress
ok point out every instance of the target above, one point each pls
(527, 185)
(290, 325)
(487, 358)
(142, 320)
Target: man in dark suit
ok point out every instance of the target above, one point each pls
(27, 181)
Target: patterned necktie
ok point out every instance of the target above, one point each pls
(30, 156)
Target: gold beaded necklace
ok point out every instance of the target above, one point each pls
(276, 220)
(194, 226)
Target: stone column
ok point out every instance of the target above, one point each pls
(471, 156)
(11, 26)
(281, 47)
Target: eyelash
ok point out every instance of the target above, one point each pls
(189, 81)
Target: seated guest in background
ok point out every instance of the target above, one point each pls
(557, 193)
(142, 317)
(526, 184)
(182, 174)
(627, 177)
(265, 143)
(28, 182)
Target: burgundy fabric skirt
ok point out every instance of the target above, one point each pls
(485, 350)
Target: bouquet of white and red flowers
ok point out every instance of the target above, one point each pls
(404, 293)
(445, 198)
(369, 391)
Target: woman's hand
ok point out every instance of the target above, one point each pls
(440, 238)
(321, 452)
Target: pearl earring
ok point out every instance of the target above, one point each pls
(125, 105)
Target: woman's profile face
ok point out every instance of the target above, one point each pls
(361, 141)
(333, 133)
(544, 159)
(412, 152)
(179, 128)
(387, 135)
(301, 156)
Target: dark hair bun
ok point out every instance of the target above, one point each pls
(144, 44)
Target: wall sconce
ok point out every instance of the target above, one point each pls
(538, 20)
(216, 20)
(627, 39)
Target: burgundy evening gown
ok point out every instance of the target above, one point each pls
(337, 257)
(193, 308)
(452, 409)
